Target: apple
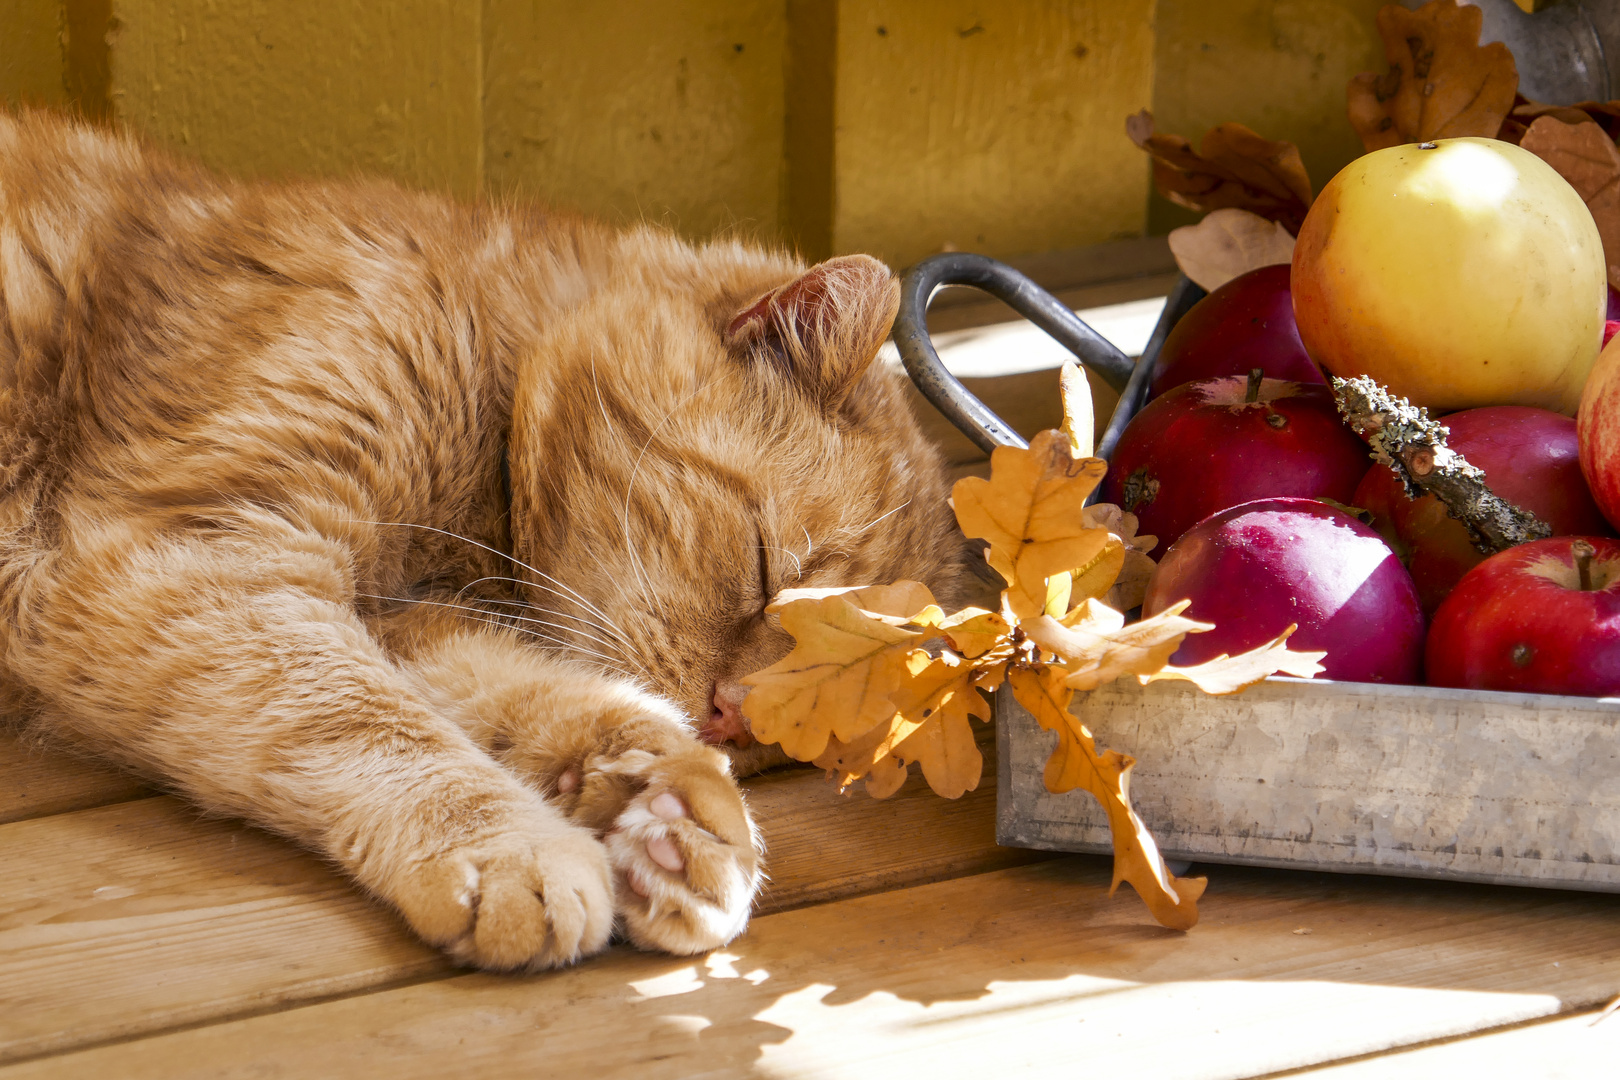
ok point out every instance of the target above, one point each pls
(1530, 458)
(1458, 274)
(1208, 445)
(1539, 618)
(1597, 427)
(1255, 568)
(1246, 323)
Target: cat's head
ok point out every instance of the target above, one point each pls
(708, 430)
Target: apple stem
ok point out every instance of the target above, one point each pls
(1583, 553)
(1403, 437)
(1253, 393)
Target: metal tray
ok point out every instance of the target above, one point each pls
(1518, 789)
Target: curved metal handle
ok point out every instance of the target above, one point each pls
(968, 413)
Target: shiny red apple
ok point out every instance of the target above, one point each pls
(1246, 323)
(1208, 445)
(1539, 618)
(1597, 428)
(1254, 569)
(1530, 458)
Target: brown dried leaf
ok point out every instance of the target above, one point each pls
(1585, 156)
(1234, 167)
(1229, 674)
(1227, 244)
(1441, 83)
(1096, 647)
(869, 755)
(836, 682)
(1075, 763)
(1032, 512)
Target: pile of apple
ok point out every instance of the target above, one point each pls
(1468, 277)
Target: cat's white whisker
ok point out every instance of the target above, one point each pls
(809, 544)
(497, 616)
(880, 517)
(799, 566)
(635, 471)
(584, 603)
(606, 628)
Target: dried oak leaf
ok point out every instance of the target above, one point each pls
(1233, 167)
(1075, 763)
(1586, 156)
(1126, 558)
(1441, 83)
(1229, 674)
(837, 680)
(1032, 510)
(939, 698)
(1094, 646)
(1606, 114)
(1227, 244)
(1079, 421)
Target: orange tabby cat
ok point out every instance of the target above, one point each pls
(432, 536)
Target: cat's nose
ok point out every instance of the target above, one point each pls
(726, 723)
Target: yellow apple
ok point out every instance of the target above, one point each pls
(1458, 274)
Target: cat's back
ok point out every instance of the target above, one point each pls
(171, 332)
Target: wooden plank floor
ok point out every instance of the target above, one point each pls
(140, 940)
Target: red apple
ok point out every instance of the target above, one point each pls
(1597, 427)
(1253, 569)
(1531, 619)
(1246, 323)
(1208, 445)
(1530, 458)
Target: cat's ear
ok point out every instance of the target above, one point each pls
(825, 326)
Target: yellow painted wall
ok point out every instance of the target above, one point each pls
(30, 52)
(995, 127)
(324, 87)
(670, 110)
(894, 126)
(1279, 66)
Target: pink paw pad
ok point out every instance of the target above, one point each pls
(568, 782)
(667, 806)
(662, 850)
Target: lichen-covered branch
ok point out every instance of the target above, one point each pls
(1403, 437)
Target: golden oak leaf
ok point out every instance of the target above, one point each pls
(1096, 647)
(940, 697)
(870, 756)
(1228, 674)
(1227, 244)
(1075, 763)
(1032, 512)
(896, 604)
(972, 631)
(1079, 420)
(837, 680)
(1233, 167)
(1441, 82)
(1583, 154)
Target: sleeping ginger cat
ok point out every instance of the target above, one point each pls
(432, 536)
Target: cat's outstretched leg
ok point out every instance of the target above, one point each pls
(237, 673)
(625, 764)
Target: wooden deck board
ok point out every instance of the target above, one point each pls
(1580, 1047)
(36, 783)
(1028, 970)
(142, 916)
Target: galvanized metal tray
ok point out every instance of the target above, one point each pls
(1519, 789)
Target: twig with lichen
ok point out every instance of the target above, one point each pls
(1403, 437)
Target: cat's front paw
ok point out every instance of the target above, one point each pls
(684, 850)
(523, 898)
